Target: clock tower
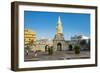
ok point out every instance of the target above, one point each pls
(59, 42)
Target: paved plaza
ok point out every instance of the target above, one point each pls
(57, 55)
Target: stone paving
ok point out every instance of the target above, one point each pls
(58, 55)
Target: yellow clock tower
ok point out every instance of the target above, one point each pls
(58, 41)
(59, 26)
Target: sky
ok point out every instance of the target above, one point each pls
(44, 23)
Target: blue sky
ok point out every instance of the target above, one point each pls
(44, 23)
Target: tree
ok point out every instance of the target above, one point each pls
(27, 47)
(83, 44)
(88, 45)
(70, 47)
(27, 50)
(77, 49)
(31, 44)
(50, 50)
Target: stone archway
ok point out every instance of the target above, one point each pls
(59, 47)
(46, 48)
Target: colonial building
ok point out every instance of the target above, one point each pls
(59, 41)
(77, 38)
(29, 36)
(43, 44)
(82, 41)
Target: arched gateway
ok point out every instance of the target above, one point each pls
(58, 41)
(59, 47)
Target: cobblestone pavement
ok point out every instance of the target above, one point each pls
(58, 55)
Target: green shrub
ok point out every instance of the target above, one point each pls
(70, 47)
(50, 51)
(77, 49)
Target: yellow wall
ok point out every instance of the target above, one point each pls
(29, 36)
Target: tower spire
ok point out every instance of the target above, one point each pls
(59, 26)
(59, 20)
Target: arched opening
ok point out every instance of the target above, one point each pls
(46, 48)
(59, 47)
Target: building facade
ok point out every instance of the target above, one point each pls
(29, 37)
(82, 41)
(43, 44)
